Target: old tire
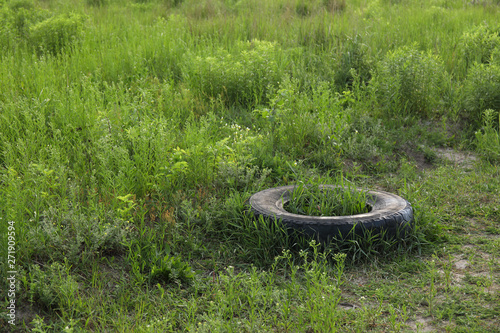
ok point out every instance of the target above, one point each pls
(390, 215)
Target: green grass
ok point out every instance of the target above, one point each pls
(132, 134)
(315, 200)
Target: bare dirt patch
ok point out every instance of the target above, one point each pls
(459, 158)
(422, 324)
(462, 264)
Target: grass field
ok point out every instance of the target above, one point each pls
(133, 132)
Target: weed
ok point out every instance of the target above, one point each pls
(54, 287)
(96, 3)
(481, 91)
(353, 58)
(409, 82)
(302, 8)
(56, 34)
(242, 77)
(153, 264)
(334, 5)
(488, 139)
(478, 44)
(128, 149)
(17, 17)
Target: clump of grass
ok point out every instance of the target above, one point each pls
(318, 200)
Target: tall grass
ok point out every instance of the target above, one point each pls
(126, 155)
(315, 200)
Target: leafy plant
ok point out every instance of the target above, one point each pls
(53, 287)
(481, 91)
(334, 5)
(56, 33)
(299, 123)
(153, 263)
(77, 236)
(409, 82)
(488, 139)
(242, 77)
(302, 8)
(16, 18)
(96, 3)
(478, 44)
(353, 57)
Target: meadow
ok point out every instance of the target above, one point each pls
(133, 132)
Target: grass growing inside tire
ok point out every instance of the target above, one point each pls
(316, 200)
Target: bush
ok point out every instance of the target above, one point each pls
(408, 81)
(293, 127)
(352, 57)
(477, 45)
(481, 91)
(302, 9)
(52, 288)
(154, 264)
(77, 237)
(495, 57)
(96, 3)
(16, 17)
(488, 140)
(334, 5)
(242, 77)
(56, 33)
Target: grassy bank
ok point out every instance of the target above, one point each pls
(132, 134)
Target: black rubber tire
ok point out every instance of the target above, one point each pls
(390, 215)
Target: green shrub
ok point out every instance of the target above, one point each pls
(242, 77)
(77, 237)
(16, 17)
(495, 56)
(481, 92)
(168, 269)
(477, 45)
(311, 126)
(409, 81)
(53, 287)
(334, 5)
(96, 3)
(291, 124)
(353, 57)
(56, 33)
(302, 9)
(488, 140)
(19, 15)
(154, 264)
